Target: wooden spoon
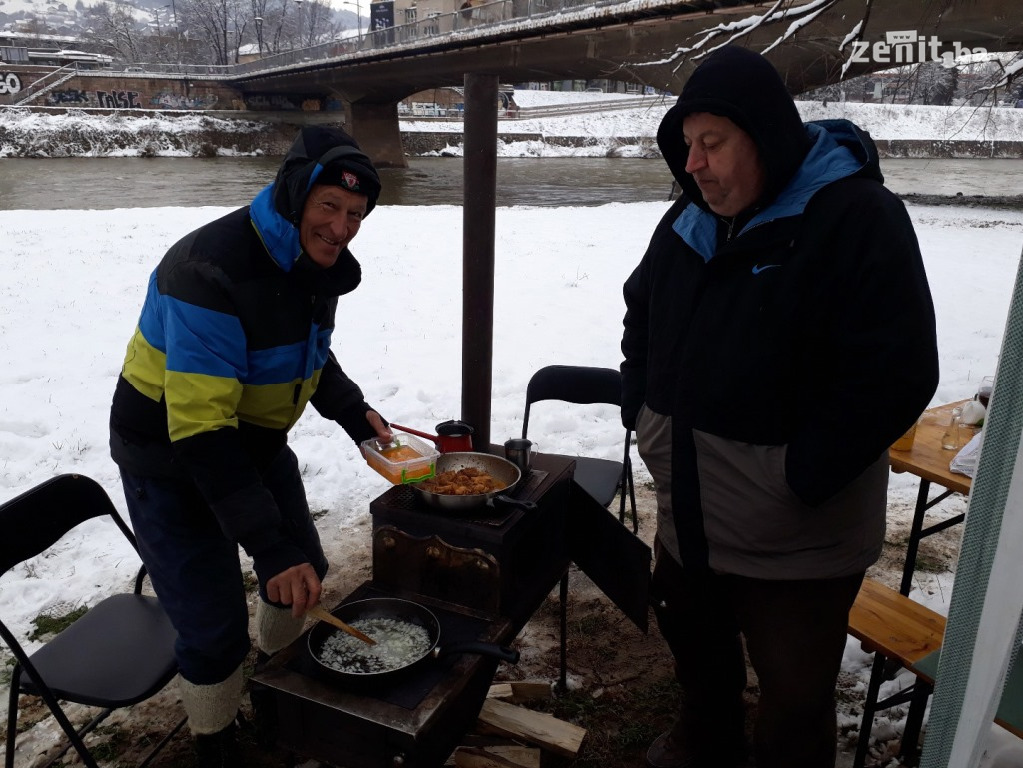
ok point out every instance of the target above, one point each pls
(321, 613)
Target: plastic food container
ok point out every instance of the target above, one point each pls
(404, 460)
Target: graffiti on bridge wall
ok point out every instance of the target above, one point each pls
(71, 96)
(9, 83)
(107, 99)
(170, 100)
(119, 99)
(290, 103)
(275, 101)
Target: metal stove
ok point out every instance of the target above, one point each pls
(483, 577)
(502, 562)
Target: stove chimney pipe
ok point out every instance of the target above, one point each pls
(479, 190)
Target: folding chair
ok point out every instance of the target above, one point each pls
(120, 652)
(601, 478)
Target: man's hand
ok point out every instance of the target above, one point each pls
(384, 434)
(299, 587)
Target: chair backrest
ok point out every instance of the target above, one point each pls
(579, 384)
(38, 518)
(587, 385)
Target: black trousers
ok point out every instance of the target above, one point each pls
(196, 570)
(795, 633)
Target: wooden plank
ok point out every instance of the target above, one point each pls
(497, 757)
(900, 628)
(538, 728)
(521, 691)
(500, 691)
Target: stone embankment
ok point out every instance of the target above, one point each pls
(50, 132)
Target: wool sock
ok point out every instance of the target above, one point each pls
(211, 708)
(276, 628)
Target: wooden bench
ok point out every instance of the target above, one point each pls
(900, 632)
(890, 623)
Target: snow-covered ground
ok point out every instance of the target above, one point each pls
(882, 121)
(70, 303)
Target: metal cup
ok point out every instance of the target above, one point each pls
(519, 452)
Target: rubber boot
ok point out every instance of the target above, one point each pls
(218, 750)
(706, 735)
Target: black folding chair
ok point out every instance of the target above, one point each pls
(120, 652)
(603, 479)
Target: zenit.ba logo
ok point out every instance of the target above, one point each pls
(908, 47)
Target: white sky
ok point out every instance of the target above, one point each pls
(74, 283)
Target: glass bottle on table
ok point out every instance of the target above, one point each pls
(950, 441)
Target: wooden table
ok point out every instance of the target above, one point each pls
(929, 461)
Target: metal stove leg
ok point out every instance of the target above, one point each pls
(563, 594)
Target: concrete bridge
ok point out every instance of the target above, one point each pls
(649, 42)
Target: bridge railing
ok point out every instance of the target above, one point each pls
(413, 33)
(419, 32)
(28, 93)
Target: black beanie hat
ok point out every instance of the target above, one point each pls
(742, 85)
(343, 164)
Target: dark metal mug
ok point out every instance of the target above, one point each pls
(519, 451)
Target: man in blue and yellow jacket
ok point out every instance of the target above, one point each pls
(232, 343)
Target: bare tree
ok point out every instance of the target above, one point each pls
(936, 83)
(317, 23)
(115, 29)
(259, 18)
(280, 25)
(218, 23)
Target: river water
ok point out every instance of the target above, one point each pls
(129, 182)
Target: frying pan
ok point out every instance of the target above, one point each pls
(402, 610)
(502, 470)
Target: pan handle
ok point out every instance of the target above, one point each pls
(415, 432)
(503, 502)
(501, 652)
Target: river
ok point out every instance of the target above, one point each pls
(130, 182)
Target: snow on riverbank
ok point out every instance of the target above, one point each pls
(83, 133)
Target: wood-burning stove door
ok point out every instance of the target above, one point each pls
(609, 553)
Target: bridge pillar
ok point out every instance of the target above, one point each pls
(375, 127)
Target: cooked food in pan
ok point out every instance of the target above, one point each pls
(462, 482)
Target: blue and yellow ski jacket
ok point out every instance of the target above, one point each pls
(233, 341)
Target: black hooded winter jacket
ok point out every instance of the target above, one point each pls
(790, 356)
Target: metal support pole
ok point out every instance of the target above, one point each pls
(478, 216)
(177, 33)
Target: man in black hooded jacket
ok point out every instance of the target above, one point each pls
(232, 343)
(779, 336)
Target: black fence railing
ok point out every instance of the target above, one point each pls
(418, 32)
